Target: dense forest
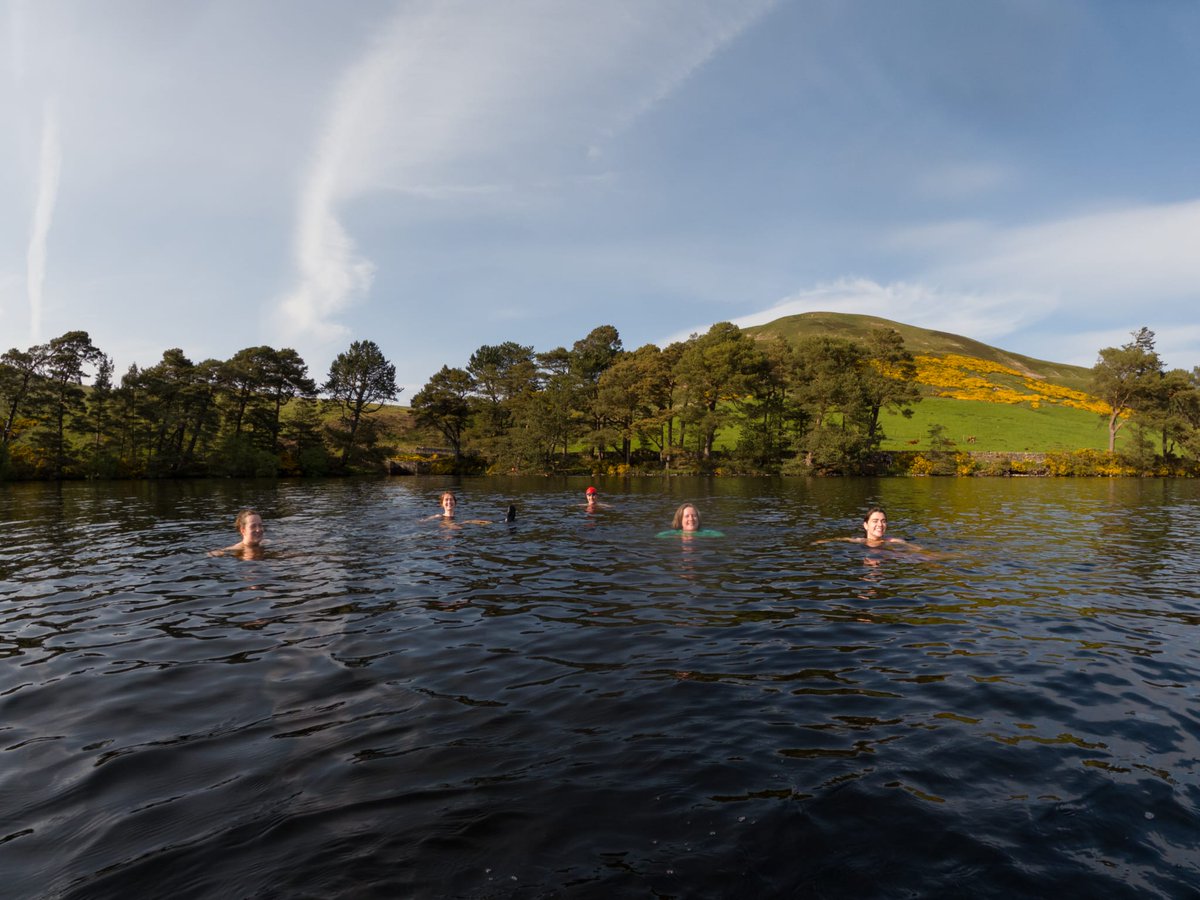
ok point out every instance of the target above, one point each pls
(808, 406)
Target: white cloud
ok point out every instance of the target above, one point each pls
(964, 180)
(50, 165)
(1111, 272)
(458, 101)
(1111, 255)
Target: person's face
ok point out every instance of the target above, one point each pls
(875, 526)
(690, 520)
(591, 498)
(252, 531)
(448, 505)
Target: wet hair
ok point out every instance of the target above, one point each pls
(677, 522)
(870, 512)
(446, 494)
(243, 515)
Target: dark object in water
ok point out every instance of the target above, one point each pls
(511, 515)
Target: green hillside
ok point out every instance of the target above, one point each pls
(918, 341)
(981, 409)
(997, 427)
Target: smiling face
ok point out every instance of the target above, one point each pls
(875, 525)
(251, 530)
(448, 505)
(690, 520)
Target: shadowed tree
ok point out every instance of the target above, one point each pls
(20, 374)
(285, 377)
(632, 395)
(769, 416)
(361, 381)
(500, 375)
(97, 422)
(589, 359)
(65, 360)
(827, 385)
(714, 368)
(444, 403)
(889, 381)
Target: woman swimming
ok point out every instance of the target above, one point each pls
(875, 531)
(687, 518)
(449, 503)
(686, 522)
(250, 526)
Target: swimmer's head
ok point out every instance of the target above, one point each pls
(874, 509)
(687, 518)
(448, 503)
(591, 493)
(875, 523)
(250, 526)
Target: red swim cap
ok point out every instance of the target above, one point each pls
(591, 490)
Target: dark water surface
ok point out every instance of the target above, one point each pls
(382, 706)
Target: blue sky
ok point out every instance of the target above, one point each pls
(435, 176)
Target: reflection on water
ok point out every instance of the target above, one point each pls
(379, 705)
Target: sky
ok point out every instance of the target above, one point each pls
(436, 176)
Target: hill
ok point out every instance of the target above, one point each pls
(921, 341)
(986, 398)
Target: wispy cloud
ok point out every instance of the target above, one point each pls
(965, 180)
(458, 102)
(49, 168)
(1106, 255)
(1073, 278)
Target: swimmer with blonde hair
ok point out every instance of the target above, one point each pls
(687, 518)
(686, 522)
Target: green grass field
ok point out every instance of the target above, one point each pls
(998, 427)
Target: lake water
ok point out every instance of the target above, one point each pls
(570, 706)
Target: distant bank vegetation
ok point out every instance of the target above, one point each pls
(813, 394)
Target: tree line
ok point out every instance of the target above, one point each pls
(1162, 405)
(257, 413)
(812, 406)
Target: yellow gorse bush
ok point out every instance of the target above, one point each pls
(966, 378)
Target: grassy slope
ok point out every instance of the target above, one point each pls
(920, 341)
(998, 427)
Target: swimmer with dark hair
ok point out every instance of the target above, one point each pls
(250, 526)
(450, 503)
(875, 528)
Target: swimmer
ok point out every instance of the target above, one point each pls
(875, 528)
(250, 526)
(687, 518)
(590, 501)
(449, 504)
(687, 523)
